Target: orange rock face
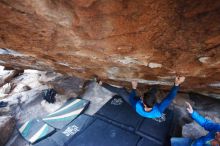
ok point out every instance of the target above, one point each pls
(118, 40)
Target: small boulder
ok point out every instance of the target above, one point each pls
(6, 78)
(6, 89)
(5, 110)
(66, 85)
(7, 124)
(26, 88)
(193, 130)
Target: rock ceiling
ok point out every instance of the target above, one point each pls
(118, 40)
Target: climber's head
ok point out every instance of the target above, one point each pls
(217, 136)
(149, 100)
(149, 97)
(216, 141)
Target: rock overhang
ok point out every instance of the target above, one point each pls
(117, 40)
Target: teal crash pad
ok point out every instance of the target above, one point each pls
(67, 113)
(35, 130)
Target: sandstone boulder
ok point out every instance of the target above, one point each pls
(118, 40)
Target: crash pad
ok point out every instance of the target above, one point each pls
(75, 127)
(46, 142)
(35, 130)
(120, 113)
(156, 129)
(67, 113)
(148, 142)
(101, 133)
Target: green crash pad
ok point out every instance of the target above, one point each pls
(35, 130)
(67, 113)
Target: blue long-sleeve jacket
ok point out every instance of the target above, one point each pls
(209, 126)
(157, 109)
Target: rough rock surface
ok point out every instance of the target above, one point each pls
(120, 40)
(97, 96)
(70, 86)
(194, 130)
(206, 106)
(7, 124)
(25, 100)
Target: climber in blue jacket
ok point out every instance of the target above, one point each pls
(146, 105)
(211, 139)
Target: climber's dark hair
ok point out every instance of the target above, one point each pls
(149, 98)
(116, 96)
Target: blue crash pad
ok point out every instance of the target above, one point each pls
(35, 130)
(68, 112)
(101, 133)
(67, 133)
(46, 142)
(120, 113)
(148, 142)
(158, 129)
(75, 127)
